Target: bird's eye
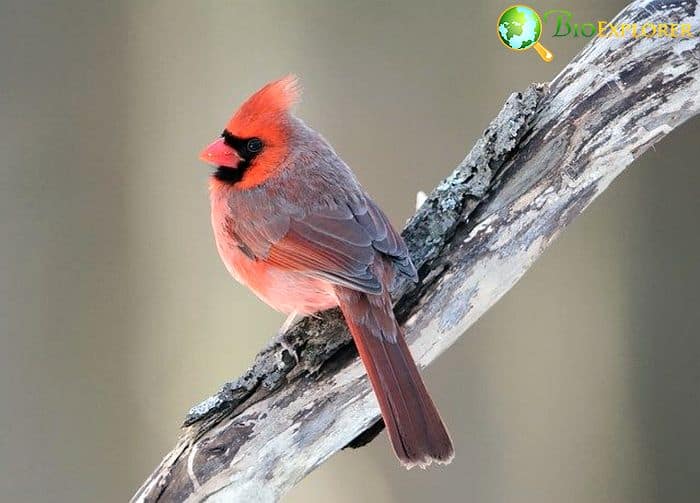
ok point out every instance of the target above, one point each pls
(254, 145)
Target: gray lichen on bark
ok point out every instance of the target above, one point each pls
(457, 195)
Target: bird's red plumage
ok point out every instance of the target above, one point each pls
(298, 229)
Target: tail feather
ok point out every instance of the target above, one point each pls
(415, 428)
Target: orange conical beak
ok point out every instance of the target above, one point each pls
(218, 153)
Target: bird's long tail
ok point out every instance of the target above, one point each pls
(415, 428)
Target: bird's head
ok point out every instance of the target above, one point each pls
(255, 140)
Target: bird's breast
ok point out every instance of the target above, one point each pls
(284, 290)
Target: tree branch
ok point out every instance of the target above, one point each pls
(546, 156)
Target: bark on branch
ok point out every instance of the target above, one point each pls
(549, 152)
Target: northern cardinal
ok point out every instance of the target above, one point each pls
(294, 225)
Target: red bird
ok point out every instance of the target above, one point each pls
(294, 225)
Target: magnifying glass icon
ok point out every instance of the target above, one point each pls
(519, 28)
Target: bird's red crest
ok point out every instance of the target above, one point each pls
(269, 103)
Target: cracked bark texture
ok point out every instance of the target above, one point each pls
(549, 152)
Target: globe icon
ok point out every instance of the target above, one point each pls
(519, 28)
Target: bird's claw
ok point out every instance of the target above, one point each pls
(283, 340)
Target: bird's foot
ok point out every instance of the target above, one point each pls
(283, 339)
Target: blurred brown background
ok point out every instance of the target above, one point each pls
(116, 314)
